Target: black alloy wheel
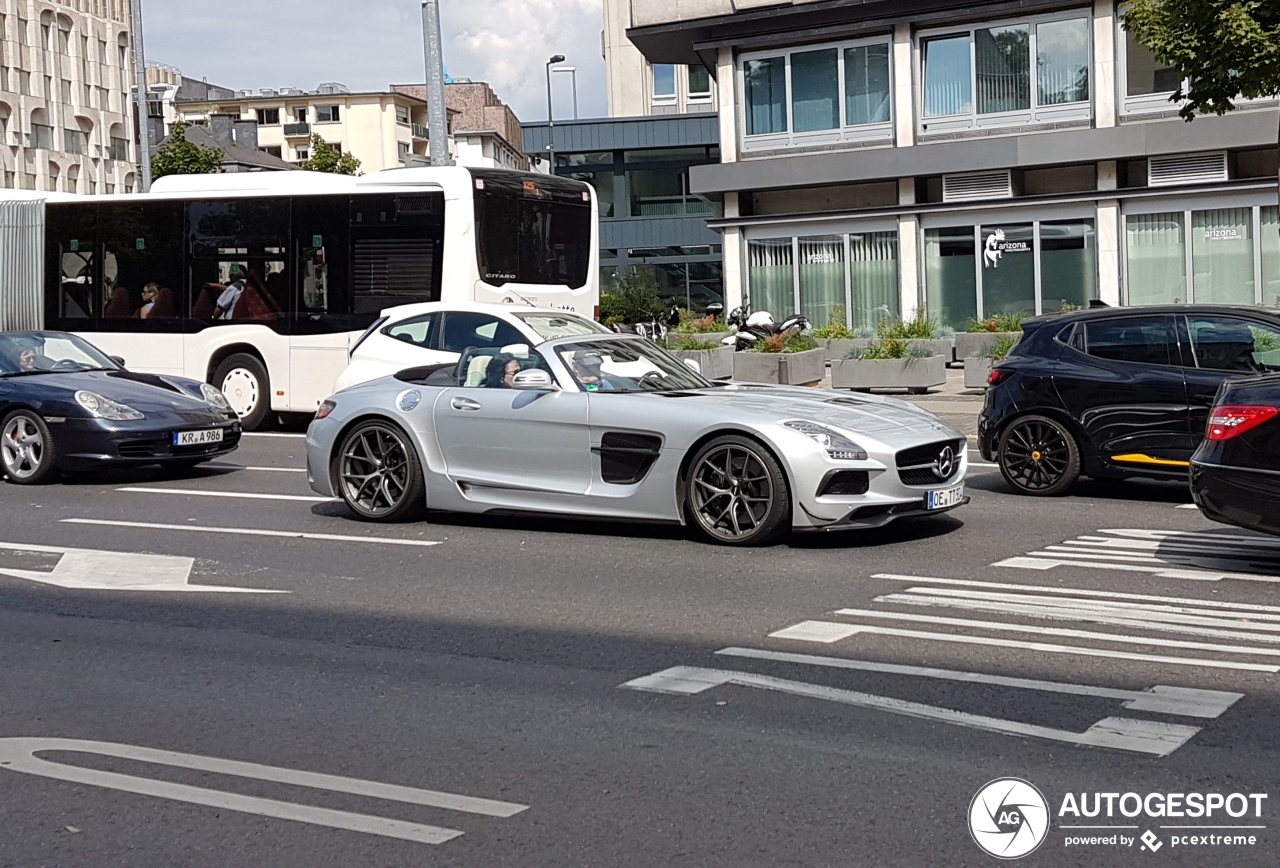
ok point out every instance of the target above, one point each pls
(379, 475)
(1039, 456)
(738, 493)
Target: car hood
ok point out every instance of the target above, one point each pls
(143, 392)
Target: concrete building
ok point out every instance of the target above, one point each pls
(381, 129)
(486, 132)
(977, 157)
(65, 117)
(638, 87)
(238, 141)
(166, 87)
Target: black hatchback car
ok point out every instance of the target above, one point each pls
(1117, 392)
(1235, 474)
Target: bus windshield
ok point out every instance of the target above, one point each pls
(532, 230)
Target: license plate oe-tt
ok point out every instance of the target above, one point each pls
(197, 438)
(945, 498)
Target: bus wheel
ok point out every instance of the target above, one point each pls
(243, 379)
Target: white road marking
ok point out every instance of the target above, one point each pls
(273, 434)
(1137, 736)
(19, 755)
(1186, 506)
(1187, 702)
(1050, 648)
(216, 466)
(1059, 631)
(89, 569)
(1160, 572)
(1196, 556)
(242, 495)
(245, 531)
(815, 631)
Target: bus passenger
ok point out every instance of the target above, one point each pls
(120, 306)
(227, 301)
(149, 293)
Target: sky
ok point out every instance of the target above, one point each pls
(371, 44)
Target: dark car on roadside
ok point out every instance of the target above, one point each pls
(1117, 392)
(1235, 474)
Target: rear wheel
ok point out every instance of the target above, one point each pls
(1039, 456)
(243, 379)
(379, 475)
(738, 493)
(26, 448)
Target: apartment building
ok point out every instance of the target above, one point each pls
(973, 157)
(486, 132)
(65, 78)
(382, 129)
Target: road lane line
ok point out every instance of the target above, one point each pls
(211, 465)
(1000, 626)
(1171, 571)
(1138, 736)
(247, 531)
(243, 495)
(1051, 648)
(273, 434)
(1223, 612)
(1189, 702)
(1197, 536)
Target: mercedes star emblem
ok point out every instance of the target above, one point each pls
(945, 465)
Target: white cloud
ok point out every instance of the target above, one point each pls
(368, 45)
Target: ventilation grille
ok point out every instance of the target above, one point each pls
(1187, 169)
(981, 185)
(392, 271)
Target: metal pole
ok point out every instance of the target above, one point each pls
(140, 100)
(437, 116)
(551, 128)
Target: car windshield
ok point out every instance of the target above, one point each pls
(568, 325)
(29, 353)
(628, 366)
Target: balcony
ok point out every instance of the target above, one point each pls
(420, 132)
(297, 131)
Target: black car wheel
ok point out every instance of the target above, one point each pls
(26, 448)
(738, 493)
(244, 381)
(1039, 456)
(379, 475)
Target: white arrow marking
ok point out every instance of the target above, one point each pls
(1138, 736)
(88, 569)
(19, 755)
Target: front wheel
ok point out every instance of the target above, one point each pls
(738, 493)
(26, 448)
(244, 381)
(379, 475)
(1039, 456)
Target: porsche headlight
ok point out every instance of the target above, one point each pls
(837, 445)
(214, 396)
(104, 408)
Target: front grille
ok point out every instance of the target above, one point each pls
(845, 483)
(140, 448)
(916, 466)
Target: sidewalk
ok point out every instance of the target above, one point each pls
(955, 405)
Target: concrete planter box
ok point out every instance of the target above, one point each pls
(674, 335)
(715, 364)
(914, 375)
(782, 369)
(936, 346)
(976, 372)
(972, 344)
(838, 348)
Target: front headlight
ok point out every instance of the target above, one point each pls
(214, 396)
(837, 445)
(104, 408)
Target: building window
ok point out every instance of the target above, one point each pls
(268, 117)
(817, 96)
(328, 114)
(402, 150)
(699, 84)
(42, 136)
(664, 83)
(402, 114)
(302, 154)
(662, 193)
(1211, 256)
(76, 142)
(1148, 83)
(119, 149)
(299, 114)
(819, 275)
(1270, 235)
(271, 150)
(985, 77)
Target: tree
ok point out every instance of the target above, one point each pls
(179, 157)
(633, 298)
(326, 158)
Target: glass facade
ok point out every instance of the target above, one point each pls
(1068, 264)
(951, 275)
(866, 84)
(1271, 256)
(1003, 59)
(766, 94)
(947, 86)
(771, 278)
(1062, 61)
(873, 278)
(822, 276)
(1144, 75)
(815, 90)
(858, 272)
(1009, 269)
(1157, 258)
(1222, 256)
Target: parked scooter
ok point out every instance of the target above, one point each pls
(751, 327)
(653, 326)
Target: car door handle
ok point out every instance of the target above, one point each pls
(464, 404)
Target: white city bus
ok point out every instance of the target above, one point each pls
(314, 259)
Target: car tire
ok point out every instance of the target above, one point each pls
(27, 452)
(244, 381)
(1039, 456)
(379, 475)
(737, 493)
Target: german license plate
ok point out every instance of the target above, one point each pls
(197, 438)
(944, 498)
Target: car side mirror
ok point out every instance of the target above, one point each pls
(534, 381)
(693, 363)
(117, 359)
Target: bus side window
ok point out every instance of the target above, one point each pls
(321, 239)
(141, 248)
(72, 270)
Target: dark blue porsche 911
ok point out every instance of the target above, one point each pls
(65, 406)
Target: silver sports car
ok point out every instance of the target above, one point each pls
(615, 427)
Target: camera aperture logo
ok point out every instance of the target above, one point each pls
(1009, 818)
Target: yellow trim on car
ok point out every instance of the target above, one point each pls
(1139, 458)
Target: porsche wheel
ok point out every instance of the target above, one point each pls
(26, 448)
(1039, 456)
(737, 493)
(379, 475)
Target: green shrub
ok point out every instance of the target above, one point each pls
(919, 327)
(999, 349)
(687, 342)
(634, 297)
(691, 324)
(999, 322)
(779, 344)
(836, 327)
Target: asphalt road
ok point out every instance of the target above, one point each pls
(616, 695)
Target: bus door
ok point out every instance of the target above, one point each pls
(322, 321)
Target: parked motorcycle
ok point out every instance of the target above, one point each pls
(652, 325)
(748, 327)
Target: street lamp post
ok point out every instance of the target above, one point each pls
(551, 122)
(140, 100)
(573, 73)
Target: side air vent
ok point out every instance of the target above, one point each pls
(977, 186)
(1187, 169)
(626, 457)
